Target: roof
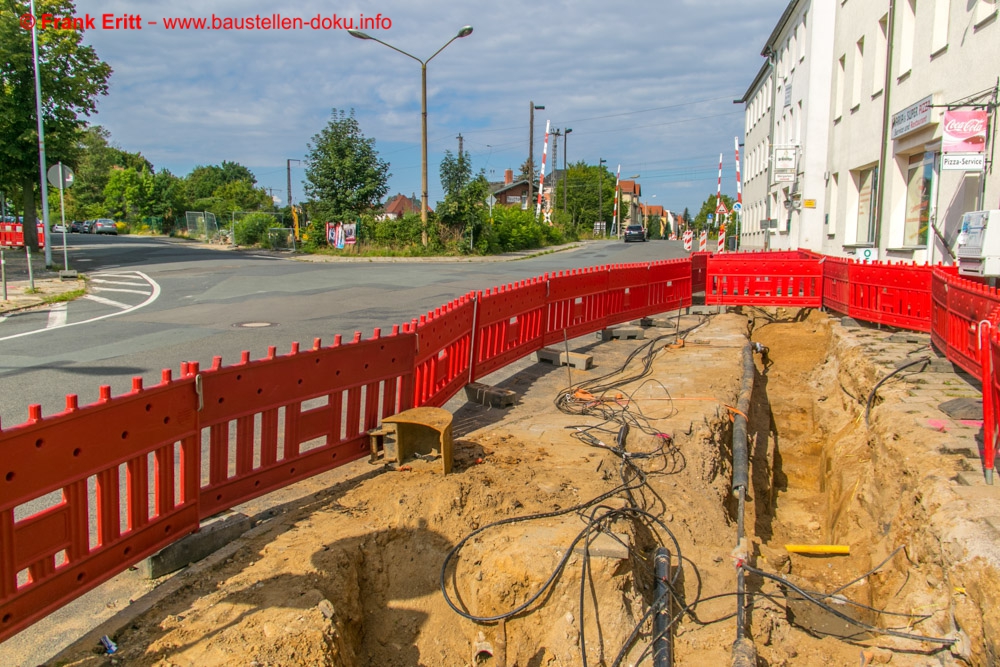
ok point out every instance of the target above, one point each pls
(764, 70)
(513, 185)
(779, 27)
(630, 187)
(401, 205)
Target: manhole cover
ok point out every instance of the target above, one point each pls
(254, 325)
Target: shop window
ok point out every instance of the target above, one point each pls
(867, 181)
(919, 181)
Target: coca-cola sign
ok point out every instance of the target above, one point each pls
(964, 132)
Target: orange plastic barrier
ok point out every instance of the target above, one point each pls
(577, 303)
(756, 279)
(444, 351)
(628, 293)
(898, 295)
(669, 285)
(510, 323)
(12, 234)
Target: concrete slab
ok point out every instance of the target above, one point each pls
(494, 397)
(575, 359)
(216, 532)
(621, 333)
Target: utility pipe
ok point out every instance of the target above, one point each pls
(662, 652)
(743, 649)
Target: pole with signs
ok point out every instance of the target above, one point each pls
(61, 176)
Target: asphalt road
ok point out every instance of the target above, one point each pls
(174, 301)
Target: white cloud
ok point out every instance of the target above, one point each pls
(188, 97)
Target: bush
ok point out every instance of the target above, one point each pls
(252, 230)
(398, 233)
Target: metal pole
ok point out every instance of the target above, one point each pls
(41, 139)
(31, 272)
(288, 164)
(423, 152)
(565, 167)
(531, 150)
(600, 193)
(3, 273)
(62, 209)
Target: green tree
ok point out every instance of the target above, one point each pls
(169, 200)
(72, 76)
(687, 217)
(243, 195)
(464, 206)
(129, 194)
(94, 166)
(344, 175)
(701, 220)
(203, 181)
(522, 174)
(583, 182)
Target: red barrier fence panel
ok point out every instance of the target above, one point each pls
(576, 303)
(444, 351)
(939, 309)
(738, 279)
(898, 295)
(699, 270)
(510, 324)
(628, 293)
(669, 285)
(12, 234)
(836, 284)
(968, 303)
(77, 462)
(991, 394)
(297, 415)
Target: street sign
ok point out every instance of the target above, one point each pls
(721, 208)
(54, 178)
(737, 207)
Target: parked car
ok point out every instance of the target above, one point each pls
(59, 228)
(635, 233)
(105, 226)
(88, 227)
(76, 226)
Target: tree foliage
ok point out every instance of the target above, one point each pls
(72, 77)
(344, 175)
(464, 206)
(583, 182)
(204, 181)
(707, 207)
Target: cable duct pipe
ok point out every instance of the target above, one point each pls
(744, 653)
(662, 639)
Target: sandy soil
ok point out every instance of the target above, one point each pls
(354, 576)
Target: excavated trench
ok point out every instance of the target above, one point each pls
(354, 579)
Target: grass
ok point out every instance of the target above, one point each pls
(65, 296)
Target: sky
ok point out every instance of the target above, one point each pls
(645, 84)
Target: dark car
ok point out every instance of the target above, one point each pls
(635, 233)
(76, 226)
(105, 226)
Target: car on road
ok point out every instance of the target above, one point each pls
(635, 233)
(76, 226)
(59, 228)
(105, 226)
(87, 227)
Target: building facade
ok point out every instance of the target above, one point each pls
(850, 160)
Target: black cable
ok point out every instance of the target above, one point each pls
(844, 617)
(871, 396)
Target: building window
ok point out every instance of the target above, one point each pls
(867, 183)
(939, 37)
(858, 73)
(906, 35)
(831, 217)
(881, 49)
(838, 95)
(802, 38)
(919, 180)
(985, 9)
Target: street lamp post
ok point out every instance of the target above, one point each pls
(565, 168)
(531, 148)
(464, 32)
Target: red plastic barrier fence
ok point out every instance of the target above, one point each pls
(745, 279)
(510, 324)
(12, 234)
(991, 392)
(669, 285)
(297, 415)
(836, 284)
(939, 308)
(699, 270)
(146, 442)
(577, 303)
(898, 295)
(628, 293)
(966, 304)
(444, 351)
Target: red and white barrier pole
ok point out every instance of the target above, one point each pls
(688, 240)
(541, 177)
(614, 213)
(703, 241)
(722, 238)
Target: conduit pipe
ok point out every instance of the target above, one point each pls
(662, 642)
(744, 653)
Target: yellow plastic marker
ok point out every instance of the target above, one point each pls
(818, 549)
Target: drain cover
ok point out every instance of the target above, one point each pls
(254, 325)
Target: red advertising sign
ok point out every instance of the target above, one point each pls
(964, 132)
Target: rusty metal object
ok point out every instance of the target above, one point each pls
(415, 433)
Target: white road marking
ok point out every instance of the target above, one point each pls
(121, 289)
(152, 297)
(106, 302)
(57, 316)
(117, 282)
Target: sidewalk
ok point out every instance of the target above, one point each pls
(47, 283)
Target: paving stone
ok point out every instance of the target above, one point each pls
(971, 478)
(575, 359)
(963, 408)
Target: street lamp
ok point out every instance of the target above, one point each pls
(565, 168)
(464, 32)
(531, 148)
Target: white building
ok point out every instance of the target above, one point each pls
(891, 68)
(787, 117)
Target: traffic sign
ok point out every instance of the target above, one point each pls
(737, 207)
(721, 208)
(65, 180)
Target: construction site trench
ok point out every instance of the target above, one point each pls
(539, 548)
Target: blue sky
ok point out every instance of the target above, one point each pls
(646, 84)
